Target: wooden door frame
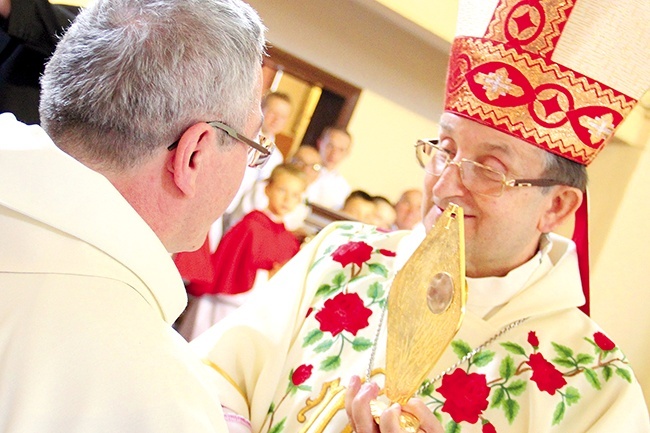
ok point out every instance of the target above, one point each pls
(281, 60)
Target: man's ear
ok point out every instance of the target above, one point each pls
(189, 156)
(564, 201)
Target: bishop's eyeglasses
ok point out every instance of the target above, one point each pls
(476, 177)
(258, 152)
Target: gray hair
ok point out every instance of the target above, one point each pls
(565, 171)
(130, 76)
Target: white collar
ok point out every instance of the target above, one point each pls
(487, 295)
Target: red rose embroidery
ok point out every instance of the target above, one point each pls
(301, 374)
(545, 375)
(466, 395)
(532, 339)
(352, 252)
(344, 312)
(387, 253)
(603, 342)
(488, 428)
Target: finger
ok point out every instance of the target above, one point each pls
(353, 388)
(389, 420)
(360, 415)
(428, 422)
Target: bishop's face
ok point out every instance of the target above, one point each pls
(502, 232)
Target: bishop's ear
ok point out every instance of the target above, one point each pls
(564, 202)
(189, 157)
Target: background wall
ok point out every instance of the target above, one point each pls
(402, 75)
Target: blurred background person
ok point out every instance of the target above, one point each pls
(408, 209)
(331, 189)
(29, 32)
(384, 213)
(360, 206)
(307, 159)
(276, 108)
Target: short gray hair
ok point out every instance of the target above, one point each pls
(565, 171)
(130, 76)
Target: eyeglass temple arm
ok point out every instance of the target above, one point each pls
(237, 136)
(533, 182)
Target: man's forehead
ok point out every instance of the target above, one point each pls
(467, 132)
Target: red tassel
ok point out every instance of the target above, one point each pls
(581, 239)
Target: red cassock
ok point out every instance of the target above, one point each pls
(256, 242)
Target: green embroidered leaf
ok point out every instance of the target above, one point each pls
(375, 291)
(452, 427)
(558, 415)
(507, 368)
(325, 254)
(461, 348)
(304, 387)
(325, 345)
(584, 358)
(592, 378)
(279, 426)
(378, 268)
(438, 415)
(338, 279)
(346, 227)
(426, 389)
(323, 290)
(382, 303)
(563, 351)
(607, 372)
(483, 358)
(271, 408)
(513, 348)
(572, 395)
(499, 396)
(511, 409)
(330, 363)
(360, 344)
(565, 362)
(517, 387)
(312, 337)
(624, 373)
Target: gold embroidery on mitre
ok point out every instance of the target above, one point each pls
(557, 109)
(498, 84)
(599, 127)
(535, 25)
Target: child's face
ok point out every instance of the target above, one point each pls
(284, 193)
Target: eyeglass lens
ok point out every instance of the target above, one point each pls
(475, 177)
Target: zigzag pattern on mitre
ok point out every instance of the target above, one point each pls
(475, 109)
(545, 42)
(487, 50)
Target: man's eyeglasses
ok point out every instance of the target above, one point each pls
(258, 153)
(476, 177)
(302, 164)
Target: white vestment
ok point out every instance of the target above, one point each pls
(330, 189)
(87, 296)
(287, 356)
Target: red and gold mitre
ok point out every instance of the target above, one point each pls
(559, 74)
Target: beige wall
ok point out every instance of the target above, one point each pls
(403, 78)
